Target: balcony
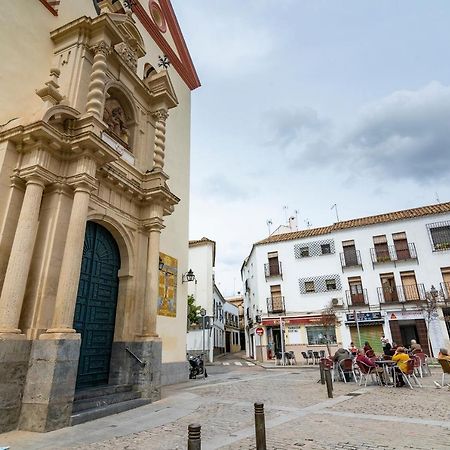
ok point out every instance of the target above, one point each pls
(276, 305)
(445, 288)
(350, 259)
(401, 294)
(393, 253)
(357, 298)
(273, 270)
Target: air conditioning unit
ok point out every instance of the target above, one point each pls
(337, 301)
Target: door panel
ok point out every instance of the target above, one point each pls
(95, 309)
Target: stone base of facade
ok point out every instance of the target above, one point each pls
(175, 372)
(14, 356)
(50, 384)
(145, 377)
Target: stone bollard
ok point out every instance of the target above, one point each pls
(194, 437)
(328, 382)
(322, 374)
(260, 427)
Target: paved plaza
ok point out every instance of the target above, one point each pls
(298, 415)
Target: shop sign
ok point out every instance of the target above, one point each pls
(259, 331)
(292, 321)
(365, 316)
(405, 315)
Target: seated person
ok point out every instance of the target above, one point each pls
(443, 354)
(388, 351)
(367, 347)
(415, 347)
(352, 349)
(400, 357)
(368, 362)
(340, 355)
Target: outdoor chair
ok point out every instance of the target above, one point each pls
(370, 353)
(410, 373)
(311, 356)
(327, 363)
(290, 358)
(346, 367)
(445, 364)
(424, 363)
(278, 358)
(322, 353)
(365, 371)
(417, 365)
(316, 357)
(305, 357)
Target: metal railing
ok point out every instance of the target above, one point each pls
(401, 294)
(275, 305)
(393, 253)
(445, 287)
(350, 259)
(273, 270)
(357, 298)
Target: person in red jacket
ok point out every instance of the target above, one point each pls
(368, 362)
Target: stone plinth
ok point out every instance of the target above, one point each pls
(125, 369)
(174, 372)
(14, 355)
(50, 384)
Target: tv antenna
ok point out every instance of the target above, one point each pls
(308, 223)
(285, 209)
(334, 206)
(437, 197)
(269, 224)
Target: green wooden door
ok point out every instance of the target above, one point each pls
(95, 309)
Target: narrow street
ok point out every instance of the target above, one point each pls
(298, 415)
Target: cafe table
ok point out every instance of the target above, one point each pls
(388, 368)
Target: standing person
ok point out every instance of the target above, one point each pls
(384, 341)
(388, 350)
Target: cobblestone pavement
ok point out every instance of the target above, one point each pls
(299, 415)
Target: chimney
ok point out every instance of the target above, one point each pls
(293, 223)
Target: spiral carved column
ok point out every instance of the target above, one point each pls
(160, 117)
(97, 83)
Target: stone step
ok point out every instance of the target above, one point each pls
(108, 410)
(101, 390)
(103, 400)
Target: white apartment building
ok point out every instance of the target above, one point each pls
(392, 270)
(222, 317)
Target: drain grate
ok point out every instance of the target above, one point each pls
(354, 394)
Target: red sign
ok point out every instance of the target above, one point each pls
(259, 331)
(292, 321)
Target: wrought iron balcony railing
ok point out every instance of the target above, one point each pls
(445, 288)
(276, 305)
(350, 259)
(393, 253)
(401, 294)
(357, 298)
(273, 270)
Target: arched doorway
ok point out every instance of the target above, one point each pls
(95, 310)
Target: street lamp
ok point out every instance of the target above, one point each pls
(187, 277)
(203, 315)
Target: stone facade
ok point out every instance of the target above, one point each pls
(89, 139)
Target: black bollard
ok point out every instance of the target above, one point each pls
(329, 382)
(322, 374)
(194, 436)
(260, 427)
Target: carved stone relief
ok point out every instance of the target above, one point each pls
(114, 116)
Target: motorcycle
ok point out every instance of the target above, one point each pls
(196, 367)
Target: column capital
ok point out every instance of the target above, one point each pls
(82, 183)
(153, 224)
(160, 114)
(102, 48)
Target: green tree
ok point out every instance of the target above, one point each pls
(193, 312)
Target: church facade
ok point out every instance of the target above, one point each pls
(94, 203)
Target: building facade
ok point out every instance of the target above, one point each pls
(350, 282)
(238, 301)
(94, 201)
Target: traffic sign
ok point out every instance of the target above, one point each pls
(259, 331)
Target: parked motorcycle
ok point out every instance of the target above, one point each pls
(196, 366)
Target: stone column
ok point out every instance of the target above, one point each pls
(14, 285)
(150, 304)
(160, 117)
(66, 293)
(95, 96)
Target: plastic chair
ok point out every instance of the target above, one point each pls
(322, 353)
(311, 356)
(424, 363)
(417, 365)
(409, 373)
(445, 364)
(290, 358)
(346, 367)
(365, 371)
(305, 357)
(278, 358)
(316, 357)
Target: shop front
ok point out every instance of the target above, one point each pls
(367, 326)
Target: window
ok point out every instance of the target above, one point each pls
(274, 265)
(381, 249)
(321, 335)
(401, 246)
(331, 285)
(304, 252)
(440, 237)
(309, 286)
(326, 249)
(350, 255)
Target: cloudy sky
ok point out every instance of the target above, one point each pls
(307, 103)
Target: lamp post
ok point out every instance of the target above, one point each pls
(203, 315)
